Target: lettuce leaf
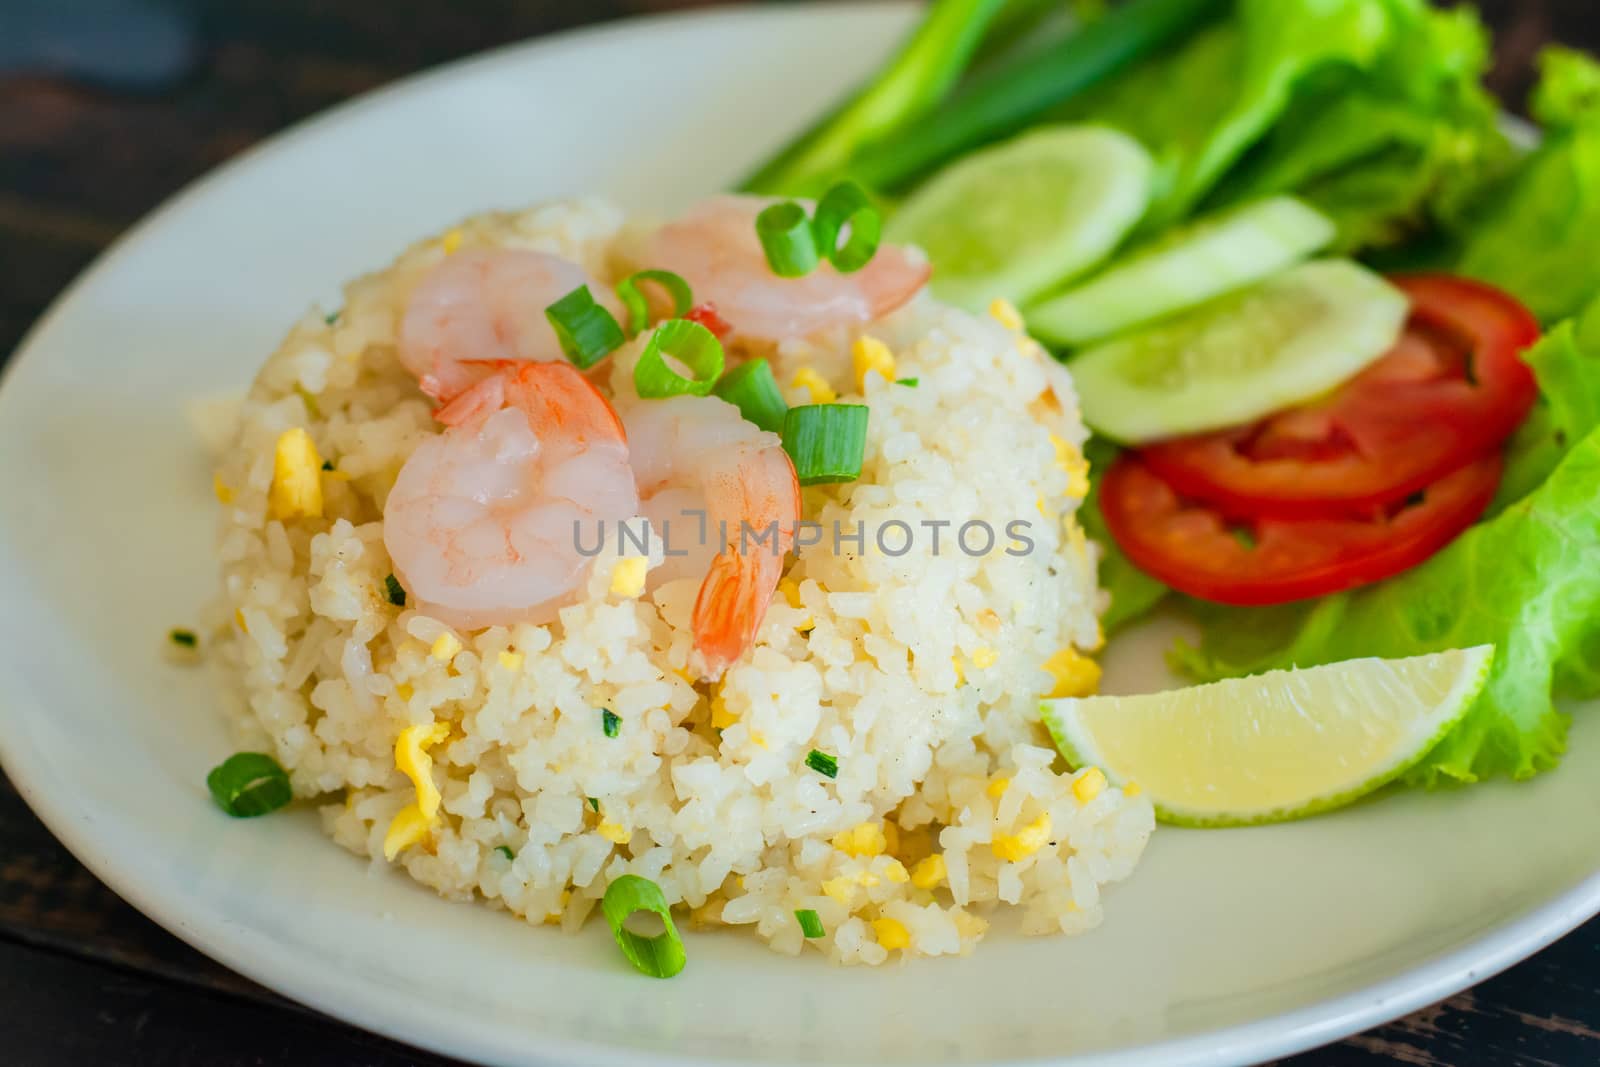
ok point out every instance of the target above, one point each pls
(1567, 364)
(1133, 593)
(1538, 235)
(1388, 152)
(1372, 109)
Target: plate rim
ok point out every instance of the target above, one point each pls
(1271, 1036)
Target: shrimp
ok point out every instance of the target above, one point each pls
(715, 248)
(482, 522)
(487, 304)
(724, 496)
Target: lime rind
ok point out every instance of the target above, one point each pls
(1027, 215)
(1065, 719)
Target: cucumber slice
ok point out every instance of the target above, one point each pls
(1242, 356)
(1197, 263)
(1017, 219)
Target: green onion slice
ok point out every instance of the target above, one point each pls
(909, 383)
(247, 784)
(788, 239)
(810, 924)
(690, 344)
(752, 389)
(505, 850)
(847, 204)
(639, 308)
(594, 803)
(610, 722)
(588, 332)
(183, 638)
(826, 442)
(661, 956)
(394, 591)
(823, 764)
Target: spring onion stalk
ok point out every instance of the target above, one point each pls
(826, 442)
(1004, 100)
(639, 308)
(919, 76)
(587, 332)
(823, 764)
(690, 344)
(752, 389)
(847, 204)
(810, 923)
(661, 956)
(787, 239)
(909, 383)
(184, 638)
(610, 722)
(247, 784)
(594, 804)
(505, 850)
(394, 591)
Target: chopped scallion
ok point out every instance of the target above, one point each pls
(639, 308)
(331, 317)
(752, 389)
(247, 784)
(505, 850)
(184, 638)
(823, 764)
(788, 239)
(826, 442)
(692, 345)
(587, 332)
(395, 591)
(810, 924)
(610, 722)
(327, 464)
(594, 803)
(910, 383)
(661, 956)
(847, 204)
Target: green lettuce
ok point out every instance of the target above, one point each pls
(1133, 593)
(1387, 152)
(1367, 107)
(1567, 364)
(1538, 234)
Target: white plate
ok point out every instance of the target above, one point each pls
(1225, 947)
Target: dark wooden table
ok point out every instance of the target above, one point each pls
(85, 979)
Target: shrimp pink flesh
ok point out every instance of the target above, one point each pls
(486, 304)
(484, 521)
(715, 248)
(723, 493)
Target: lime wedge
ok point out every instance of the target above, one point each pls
(1277, 746)
(1015, 220)
(1262, 349)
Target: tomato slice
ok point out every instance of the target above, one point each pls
(1196, 550)
(1451, 390)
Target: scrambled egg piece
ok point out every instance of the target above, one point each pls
(296, 477)
(869, 354)
(1025, 842)
(627, 577)
(1090, 784)
(808, 379)
(866, 839)
(1005, 313)
(891, 933)
(420, 816)
(984, 658)
(223, 491)
(1076, 675)
(929, 872)
(451, 242)
(445, 647)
